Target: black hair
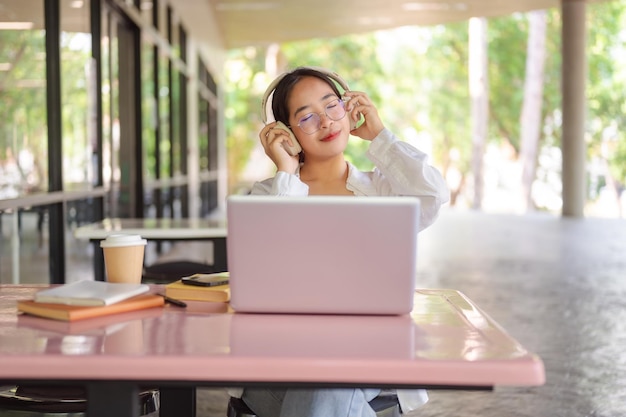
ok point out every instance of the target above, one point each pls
(280, 107)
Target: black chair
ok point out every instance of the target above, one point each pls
(59, 401)
(385, 405)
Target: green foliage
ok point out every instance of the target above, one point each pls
(507, 58)
(243, 92)
(418, 78)
(446, 80)
(607, 85)
(552, 81)
(22, 101)
(75, 56)
(23, 132)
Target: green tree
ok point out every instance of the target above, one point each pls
(446, 86)
(23, 101)
(420, 86)
(606, 45)
(242, 115)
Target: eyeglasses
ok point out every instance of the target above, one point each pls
(312, 122)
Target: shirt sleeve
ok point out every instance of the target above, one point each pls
(403, 170)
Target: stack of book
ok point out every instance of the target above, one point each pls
(181, 291)
(87, 299)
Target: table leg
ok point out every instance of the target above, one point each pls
(98, 261)
(112, 398)
(177, 401)
(219, 255)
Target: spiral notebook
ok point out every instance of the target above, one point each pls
(322, 254)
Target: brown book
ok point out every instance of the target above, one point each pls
(178, 290)
(66, 312)
(96, 326)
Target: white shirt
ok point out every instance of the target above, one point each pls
(400, 170)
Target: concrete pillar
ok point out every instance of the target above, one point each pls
(574, 73)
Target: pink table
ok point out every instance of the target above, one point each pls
(447, 342)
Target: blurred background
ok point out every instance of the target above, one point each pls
(151, 108)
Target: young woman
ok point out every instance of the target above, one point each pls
(310, 103)
(310, 106)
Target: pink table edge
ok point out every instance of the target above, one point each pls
(522, 369)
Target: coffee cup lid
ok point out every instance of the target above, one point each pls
(118, 240)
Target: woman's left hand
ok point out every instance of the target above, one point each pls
(361, 105)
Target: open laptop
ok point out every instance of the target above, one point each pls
(322, 254)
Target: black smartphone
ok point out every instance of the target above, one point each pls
(206, 280)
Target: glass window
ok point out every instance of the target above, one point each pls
(23, 131)
(23, 136)
(78, 129)
(149, 108)
(110, 113)
(85, 153)
(203, 132)
(164, 116)
(175, 110)
(165, 140)
(149, 122)
(78, 79)
(207, 139)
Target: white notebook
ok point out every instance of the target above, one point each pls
(322, 254)
(90, 293)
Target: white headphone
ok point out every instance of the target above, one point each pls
(330, 74)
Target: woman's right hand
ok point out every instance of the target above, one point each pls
(272, 140)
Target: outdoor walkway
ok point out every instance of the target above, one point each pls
(559, 287)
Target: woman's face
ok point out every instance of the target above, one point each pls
(313, 96)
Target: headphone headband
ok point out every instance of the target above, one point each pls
(330, 74)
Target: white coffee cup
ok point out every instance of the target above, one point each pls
(123, 257)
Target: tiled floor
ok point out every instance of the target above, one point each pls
(559, 287)
(556, 285)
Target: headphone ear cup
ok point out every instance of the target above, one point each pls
(291, 150)
(353, 124)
